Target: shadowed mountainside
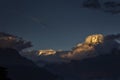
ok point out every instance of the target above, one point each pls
(3, 74)
(105, 67)
(20, 68)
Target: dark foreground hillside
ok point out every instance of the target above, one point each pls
(102, 67)
(3, 74)
(20, 68)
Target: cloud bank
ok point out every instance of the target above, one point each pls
(94, 45)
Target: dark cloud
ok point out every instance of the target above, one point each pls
(109, 44)
(112, 36)
(109, 6)
(11, 41)
(92, 4)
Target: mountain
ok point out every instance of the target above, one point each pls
(97, 58)
(20, 68)
(93, 45)
(102, 67)
(3, 74)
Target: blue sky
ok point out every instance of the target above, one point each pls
(57, 24)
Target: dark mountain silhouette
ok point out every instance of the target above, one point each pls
(105, 67)
(3, 74)
(20, 68)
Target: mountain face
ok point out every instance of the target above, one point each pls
(102, 67)
(97, 58)
(20, 68)
(3, 74)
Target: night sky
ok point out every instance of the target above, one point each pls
(57, 24)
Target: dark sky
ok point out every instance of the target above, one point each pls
(57, 24)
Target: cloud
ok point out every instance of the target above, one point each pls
(109, 44)
(94, 45)
(109, 6)
(92, 4)
(112, 36)
(11, 41)
(38, 21)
